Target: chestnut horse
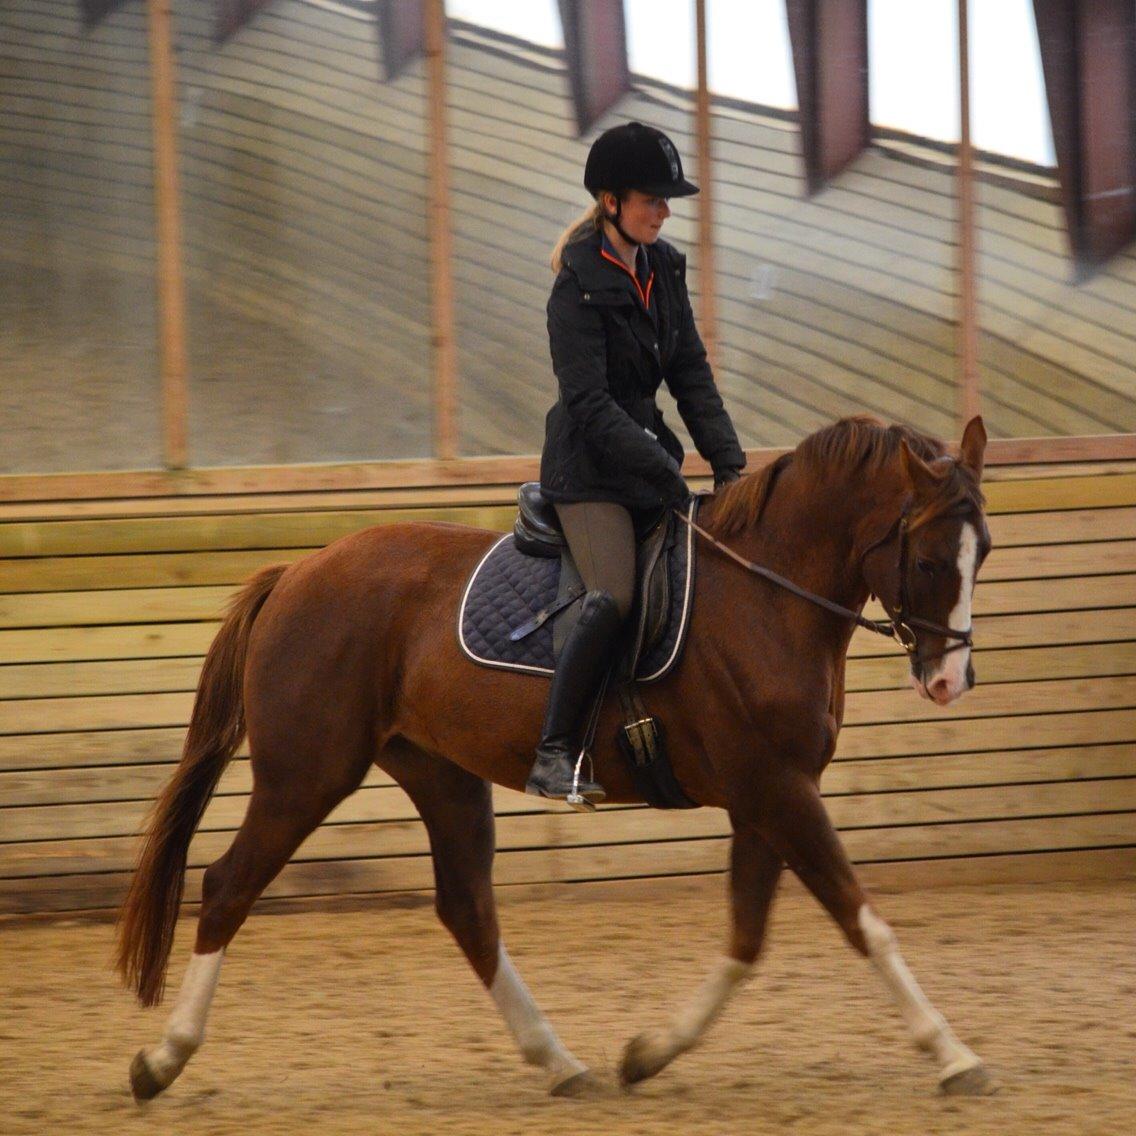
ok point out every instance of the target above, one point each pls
(350, 657)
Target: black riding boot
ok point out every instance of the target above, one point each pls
(583, 660)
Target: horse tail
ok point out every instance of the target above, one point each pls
(216, 728)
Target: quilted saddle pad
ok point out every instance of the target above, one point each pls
(509, 587)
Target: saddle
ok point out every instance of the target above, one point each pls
(536, 532)
(520, 604)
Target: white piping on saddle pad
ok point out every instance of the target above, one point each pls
(469, 651)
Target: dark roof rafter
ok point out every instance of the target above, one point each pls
(1088, 55)
(94, 10)
(830, 60)
(595, 44)
(402, 34)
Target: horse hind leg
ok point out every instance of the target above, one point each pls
(279, 818)
(457, 809)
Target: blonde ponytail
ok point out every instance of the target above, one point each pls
(590, 221)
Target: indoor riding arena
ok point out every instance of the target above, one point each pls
(274, 272)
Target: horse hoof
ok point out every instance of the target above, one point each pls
(973, 1082)
(143, 1084)
(585, 1084)
(643, 1057)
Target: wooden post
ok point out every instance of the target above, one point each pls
(969, 394)
(708, 316)
(167, 204)
(441, 240)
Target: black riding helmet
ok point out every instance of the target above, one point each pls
(634, 156)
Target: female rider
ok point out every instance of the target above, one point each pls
(619, 324)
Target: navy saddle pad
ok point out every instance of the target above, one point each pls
(509, 587)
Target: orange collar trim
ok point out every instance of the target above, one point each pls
(644, 293)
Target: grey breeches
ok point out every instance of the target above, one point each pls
(601, 537)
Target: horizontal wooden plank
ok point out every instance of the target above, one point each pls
(127, 605)
(156, 710)
(673, 857)
(1074, 525)
(218, 532)
(1048, 560)
(1007, 631)
(142, 781)
(190, 604)
(136, 570)
(385, 805)
(1095, 727)
(862, 820)
(987, 767)
(80, 748)
(140, 641)
(1005, 701)
(140, 676)
(279, 529)
(163, 640)
(139, 570)
(115, 676)
(100, 712)
(994, 665)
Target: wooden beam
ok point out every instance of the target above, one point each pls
(402, 34)
(466, 471)
(707, 275)
(595, 44)
(830, 60)
(171, 285)
(1088, 55)
(232, 15)
(969, 396)
(441, 240)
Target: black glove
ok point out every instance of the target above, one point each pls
(725, 476)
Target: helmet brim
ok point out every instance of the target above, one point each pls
(681, 188)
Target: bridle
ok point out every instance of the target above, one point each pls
(900, 627)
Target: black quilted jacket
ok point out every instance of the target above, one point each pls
(605, 438)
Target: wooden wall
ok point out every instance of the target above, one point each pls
(304, 182)
(107, 608)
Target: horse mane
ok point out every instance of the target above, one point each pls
(856, 445)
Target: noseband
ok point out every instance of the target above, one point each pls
(899, 627)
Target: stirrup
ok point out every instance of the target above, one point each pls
(574, 799)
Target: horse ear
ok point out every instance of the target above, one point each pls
(922, 477)
(973, 445)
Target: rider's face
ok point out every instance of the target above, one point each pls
(642, 215)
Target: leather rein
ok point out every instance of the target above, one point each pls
(899, 627)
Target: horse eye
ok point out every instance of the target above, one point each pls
(927, 567)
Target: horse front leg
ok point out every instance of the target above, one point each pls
(754, 871)
(798, 826)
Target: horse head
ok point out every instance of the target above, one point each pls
(924, 569)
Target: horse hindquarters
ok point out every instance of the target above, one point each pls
(306, 757)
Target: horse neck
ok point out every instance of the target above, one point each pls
(813, 531)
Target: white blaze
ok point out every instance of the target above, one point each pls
(952, 666)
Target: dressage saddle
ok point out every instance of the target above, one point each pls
(537, 532)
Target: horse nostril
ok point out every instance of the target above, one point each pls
(970, 679)
(939, 689)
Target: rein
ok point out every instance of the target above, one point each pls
(899, 627)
